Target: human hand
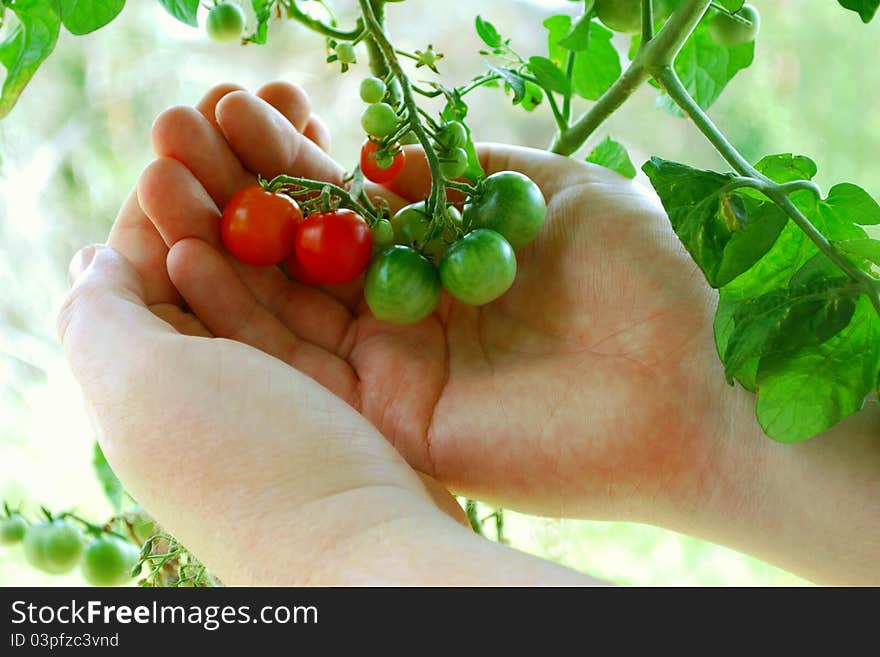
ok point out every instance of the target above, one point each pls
(589, 380)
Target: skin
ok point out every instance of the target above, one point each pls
(591, 389)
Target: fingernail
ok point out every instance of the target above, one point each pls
(80, 262)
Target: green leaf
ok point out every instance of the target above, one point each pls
(578, 38)
(27, 46)
(487, 32)
(865, 8)
(863, 248)
(725, 232)
(549, 75)
(612, 155)
(111, 485)
(785, 167)
(514, 80)
(732, 6)
(854, 204)
(84, 16)
(804, 392)
(183, 10)
(558, 27)
(705, 67)
(597, 67)
(788, 318)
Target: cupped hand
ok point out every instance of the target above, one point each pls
(589, 389)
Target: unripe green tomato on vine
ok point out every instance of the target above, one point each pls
(452, 135)
(12, 529)
(346, 53)
(379, 120)
(54, 546)
(454, 163)
(225, 23)
(730, 32)
(108, 561)
(372, 90)
(620, 15)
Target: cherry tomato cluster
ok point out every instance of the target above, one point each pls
(381, 161)
(57, 546)
(417, 253)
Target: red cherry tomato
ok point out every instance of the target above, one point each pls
(259, 227)
(371, 166)
(333, 247)
(295, 269)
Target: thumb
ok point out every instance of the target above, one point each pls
(104, 322)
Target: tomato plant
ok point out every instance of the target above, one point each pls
(380, 170)
(333, 247)
(734, 29)
(412, 224)
(258, 227)
(379, 120)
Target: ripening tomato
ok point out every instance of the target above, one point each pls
(333, 247)
(378, 170)
(259, 227)
(511, 204)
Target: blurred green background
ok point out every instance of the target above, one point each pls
(78, 138)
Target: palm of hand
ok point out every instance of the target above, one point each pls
(588, 376)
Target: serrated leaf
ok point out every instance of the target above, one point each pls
(487, 32)
(598, 67)
(706, 67)
(549, 75)
(612, 155)
(186, 11)
(725, 232)
(110, 484)
(804, 392)
(865, 8)
(85, 16)
(27, 46)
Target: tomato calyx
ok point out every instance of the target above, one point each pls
(379, 163)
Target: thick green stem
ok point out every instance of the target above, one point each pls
(319, 186)
(647, 20)
(658, 52)
(378, 64)
(294, 12)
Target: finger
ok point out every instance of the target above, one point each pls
(318, 132)
(182, 133)
(267, 144)
(104, 322)
(208, 103)
(182, 322)
(136, 238)
(177, 203)
(228, 309)
(290, 101)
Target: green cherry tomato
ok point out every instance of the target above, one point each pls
(107, 561)
(411, 223)
(225, 23)
(402, 287)
(379, 120)
(54, 547)
(383, 233)
(12, 529)
(452, 135)
(620, 15)
(478, 268)
(730, 32)
(409, 137)
(346, 53)
(454, 163)
(372, 90)
(510, 204)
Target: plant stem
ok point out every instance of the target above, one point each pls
(378, 59)
(294, 12)
(437, 198)
(647, 20)
(659, 51)
(316, 185)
